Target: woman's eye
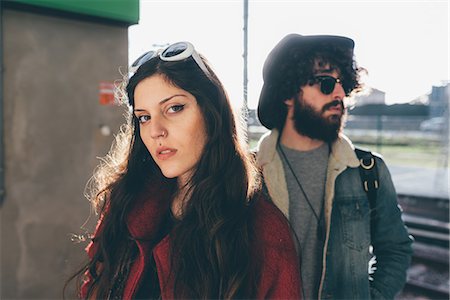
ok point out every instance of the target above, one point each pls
(143, 119)
(176, 108)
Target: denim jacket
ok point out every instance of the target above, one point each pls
(347, 256)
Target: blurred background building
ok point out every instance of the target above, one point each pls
(57, 116)
(372, 96)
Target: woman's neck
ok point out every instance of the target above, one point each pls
(179, 201)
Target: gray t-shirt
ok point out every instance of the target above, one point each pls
(310, 168)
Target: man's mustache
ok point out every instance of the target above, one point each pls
(333, 103)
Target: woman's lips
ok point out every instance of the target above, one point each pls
(163, 153)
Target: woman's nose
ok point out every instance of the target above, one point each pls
(157, 130)
(160, 134)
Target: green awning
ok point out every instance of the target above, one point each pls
(126, 11)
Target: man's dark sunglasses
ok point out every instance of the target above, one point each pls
(327, 83)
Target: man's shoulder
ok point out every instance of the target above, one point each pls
(379, 159)
(345, 147)
(368, 150)
(266, 147)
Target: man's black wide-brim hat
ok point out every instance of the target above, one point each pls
(268, 104)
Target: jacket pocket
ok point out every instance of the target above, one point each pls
(355, 222)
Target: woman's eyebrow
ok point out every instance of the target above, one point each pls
(168, 98)
(162, 101)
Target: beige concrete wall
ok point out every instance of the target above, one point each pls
(52, 120)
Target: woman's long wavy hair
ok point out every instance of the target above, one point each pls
(210, 247)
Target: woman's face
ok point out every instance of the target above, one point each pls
(172, 126)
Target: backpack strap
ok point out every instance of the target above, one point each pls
(369, 178)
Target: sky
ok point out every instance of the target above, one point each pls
(404, 45)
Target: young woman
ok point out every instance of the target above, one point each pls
(181, 212)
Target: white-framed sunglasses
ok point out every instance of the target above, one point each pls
(175, 52)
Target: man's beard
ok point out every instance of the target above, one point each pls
(313, 124)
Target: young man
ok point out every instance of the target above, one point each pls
(312, 174)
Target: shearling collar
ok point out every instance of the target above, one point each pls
(342, 150)
(342, 156)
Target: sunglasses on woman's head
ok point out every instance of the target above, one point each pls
(175, 52)
(327, 83)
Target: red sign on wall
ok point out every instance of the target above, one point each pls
(106, 93)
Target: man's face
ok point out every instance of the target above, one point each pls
(316, 114)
